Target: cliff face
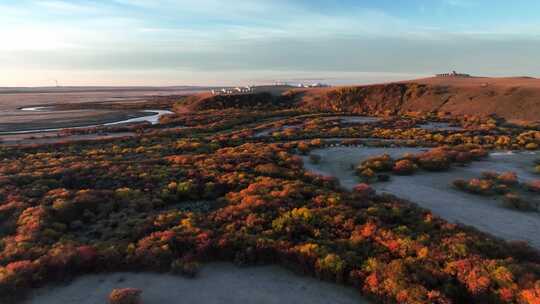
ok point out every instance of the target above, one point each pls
(388, 98)
(258, 101)
(513, 100)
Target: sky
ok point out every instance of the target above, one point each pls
(217, 42)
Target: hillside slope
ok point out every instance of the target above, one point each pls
(515, 99)
(256, 101)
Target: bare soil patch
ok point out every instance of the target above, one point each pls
(217, 283)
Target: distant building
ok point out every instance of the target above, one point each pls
(275, 89)
(313, 85)
(453, 74)
(232, 91)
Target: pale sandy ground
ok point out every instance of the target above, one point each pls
(218, 283)
(52, 138)
(27, 134)
(20, 117)
(19, 100)
(358, 119)
(49, 118)
(13, 121)
(434, 191)
(439, 126)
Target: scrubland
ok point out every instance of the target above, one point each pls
(204, 186)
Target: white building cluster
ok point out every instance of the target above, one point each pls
(313, 85)
(265, 88)
(453, 74)
(231, 91)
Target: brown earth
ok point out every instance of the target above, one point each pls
(259, 101)
(515, 99)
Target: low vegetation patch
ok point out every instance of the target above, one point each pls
(130, 205)
(438, 159)
(507, 185)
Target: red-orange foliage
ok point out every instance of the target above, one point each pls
(364, 191)
(531, 295)
(129, 205)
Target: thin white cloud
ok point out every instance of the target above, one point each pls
(65, 7)
(461, 3)
(210, 22)
(217, 35)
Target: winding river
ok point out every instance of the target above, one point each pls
(152, 117)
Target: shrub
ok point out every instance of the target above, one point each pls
(127, 194)
(331, 267)
(531, 146)
(125, 296)
(490, 175)
(404, 167)
(185, 267)
(434, 161)
(514, 201)
(268, 169)
(460, 184)
(86, 255)
(186, 189)
(367, 175)
(17, 274)
(477, 154)
(396, 251)
(464, 157)
(293, 218)
(533, 186)
(303, 148)
(508, 178)
(378, 163)
(501, 189)
(480, 186)
(364, 191)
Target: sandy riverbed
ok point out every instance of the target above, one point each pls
(56, 137)
(218, 283)
(17, 121)
(85, 99)
(434, 191)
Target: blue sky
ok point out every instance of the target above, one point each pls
(169, 42)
